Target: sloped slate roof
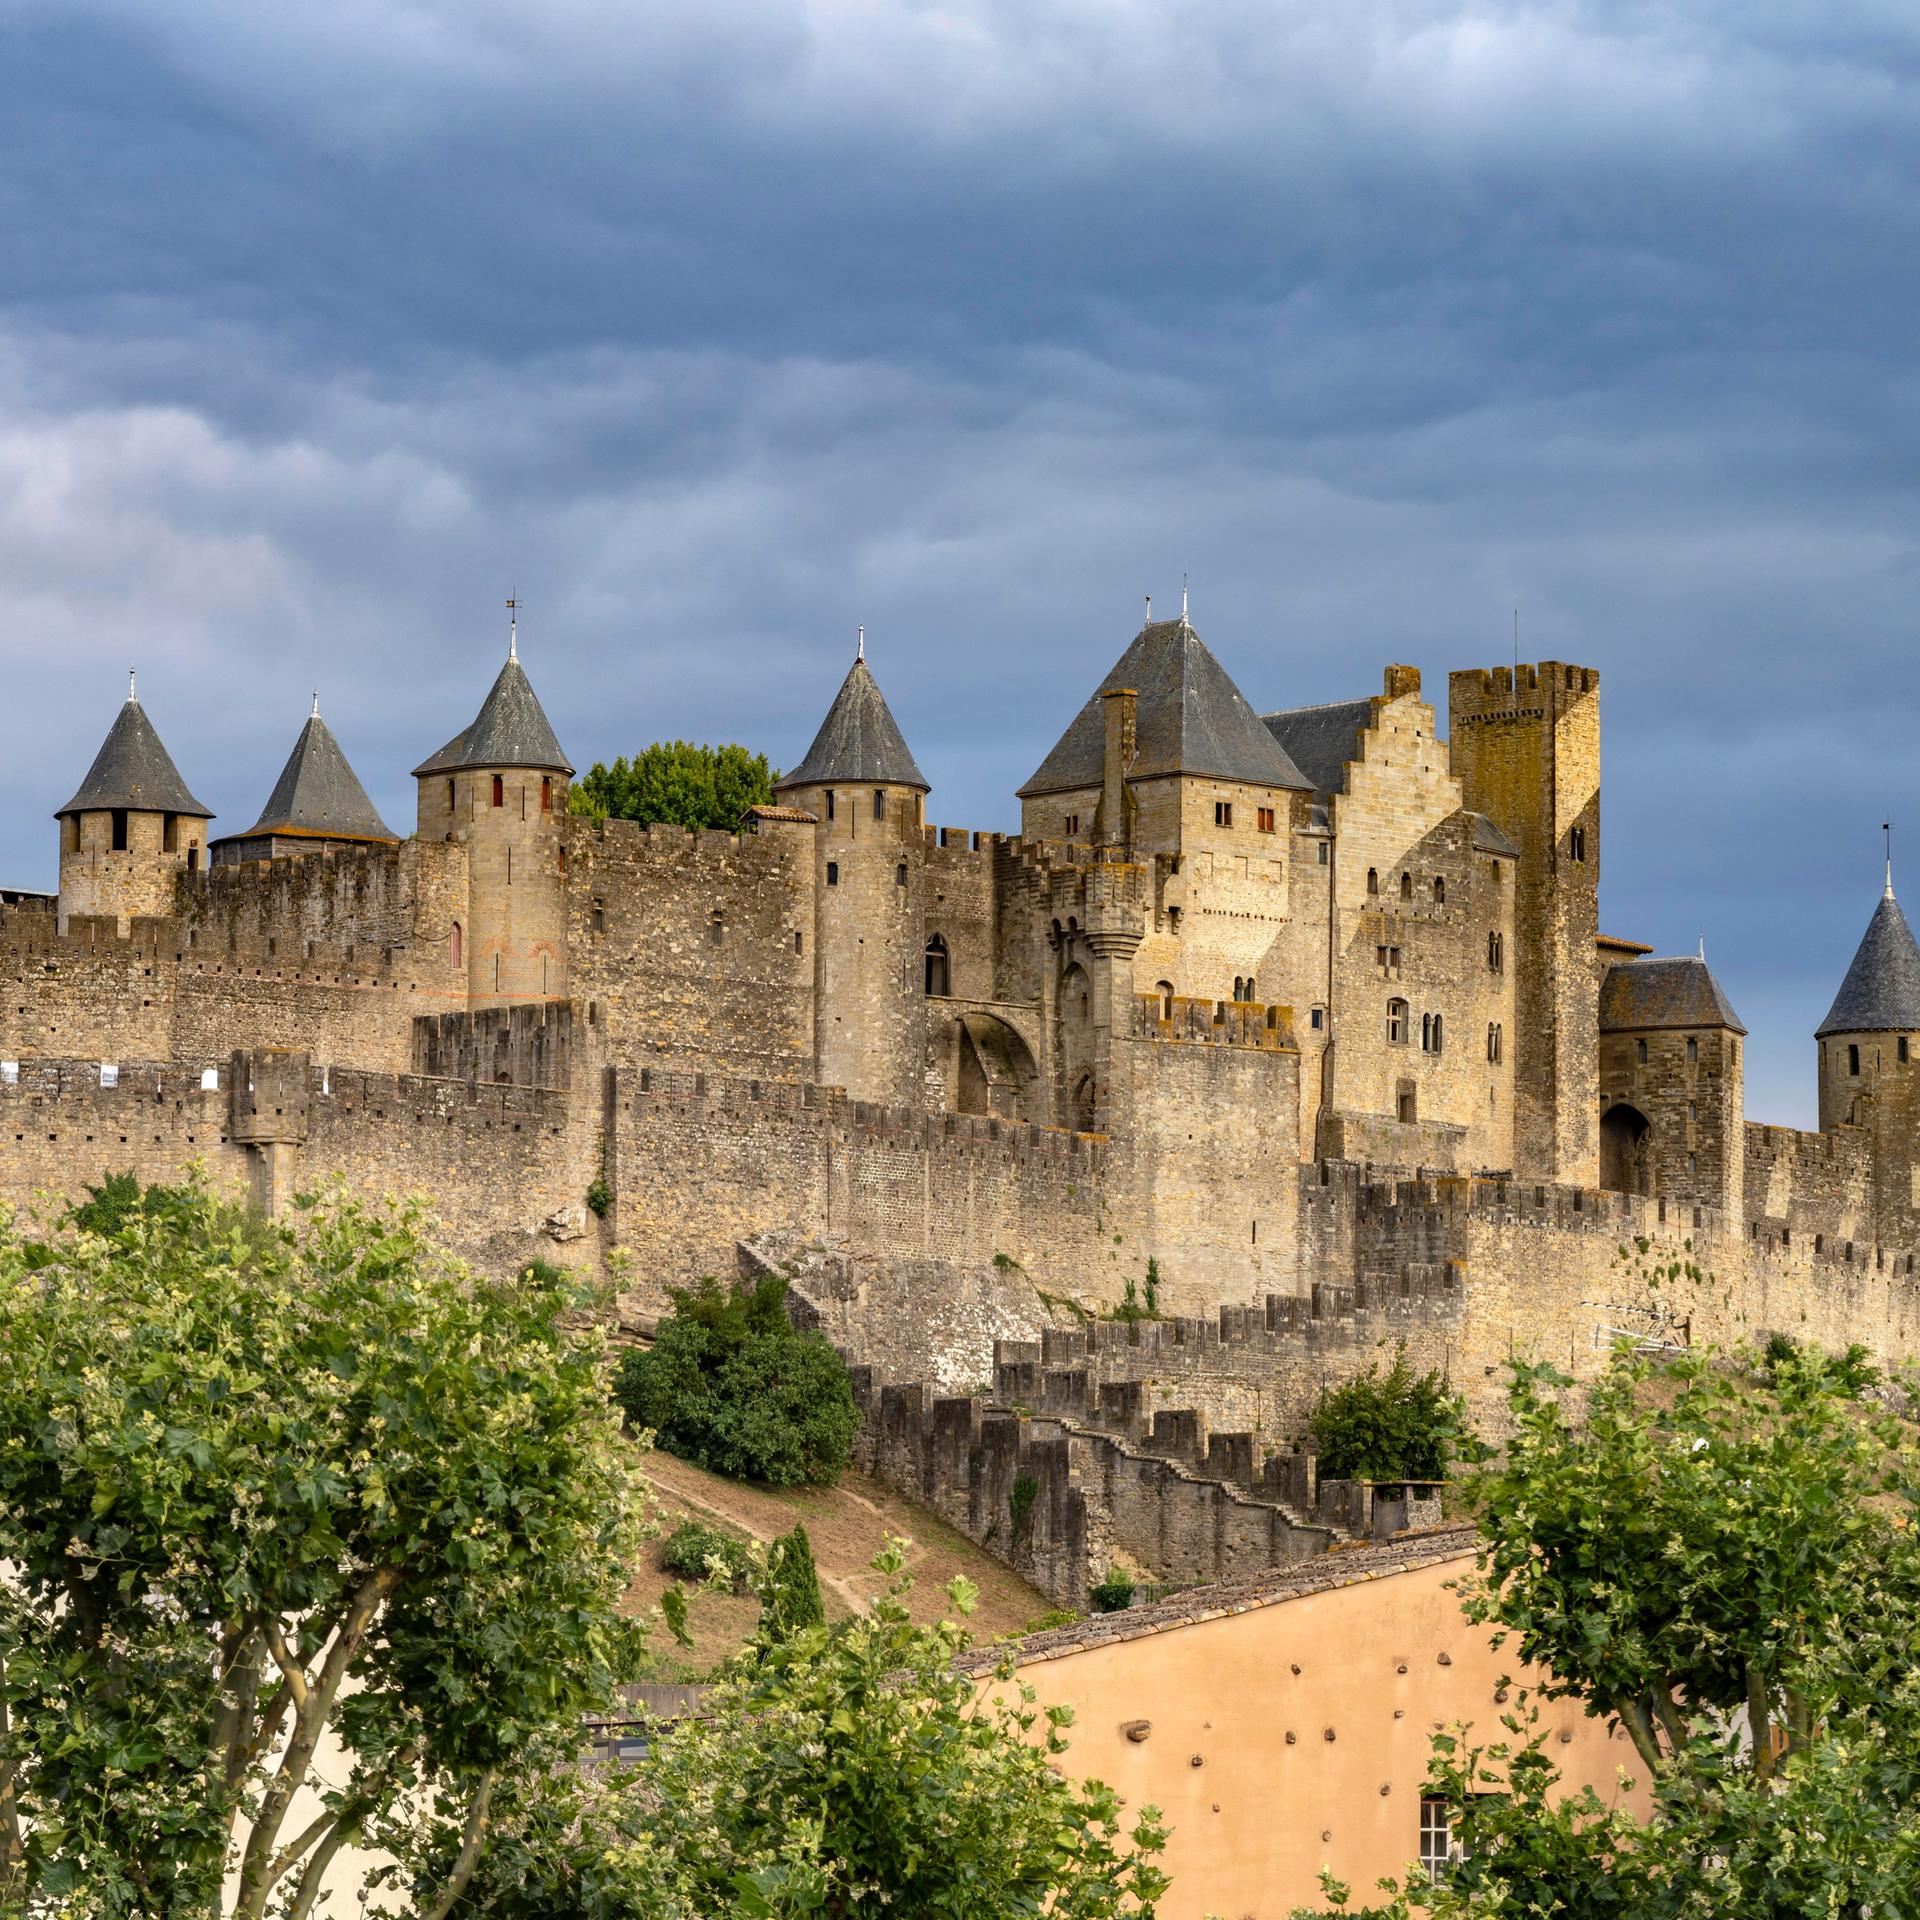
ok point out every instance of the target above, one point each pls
(1881, 993)
(859, 741)
(1321, 740)
(510, 730)
(1487, 838)
(1191, 718)
(1654, 992)
(319, 793)
(133, 770)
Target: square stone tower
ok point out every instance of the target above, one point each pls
(1526, 750)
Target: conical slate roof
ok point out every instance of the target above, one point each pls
(133, 770)
(859, 741)
(1191, 718)
(1881, 993)
(318, 793)
(510, 730)
(1655, 992)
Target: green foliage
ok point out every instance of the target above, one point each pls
(1396, 1426)
(696, 1552)
(1114, 1594)
(730, 1384)
(1020, 1507)
(1852, 1372)
(790, 1600)
(676, 783)
(1153, 1288)
(264, 1484)
(843, 1773)
(599, 1196)
(1712, 1549)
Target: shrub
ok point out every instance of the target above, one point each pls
(790, 1591)
(599, 1197)
(675, 783)
(1850, 1374)
(1114, 1594)
(731, 1385)
(1396, 1426)
(1020, 1506)
(692, 1551)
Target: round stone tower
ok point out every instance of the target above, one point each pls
(131, 828)
(860, 783)
(1870, 1057)
(499, 788)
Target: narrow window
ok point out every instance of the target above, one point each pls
(449, 796)
(499, 791)
(1693, 1050)
(1393, 961)
(1853, 1060)
(1439, 891)
(879, 803)
(543, 975)
(1236, 986)
(546, 793)
(509, 866)
(1164, 988)
(1223, 813)
(598, 923)
(1496, 953)
(1436, 1839)
(1439, 1033)
(900, 874)
(119, 829)
(1397, 1023)
(453, 944)
(799, 941)
(1733, 1053)
(1317, 1018)
(1406, 886)
(833, 873)
(563, 859)
(1250, 992)
(829, 803)
(1373, 880)
(1407, 1105)
(1380, 958)
(523, 803)
(1426, 1033)
(1577, 843)
(937, 979)
(1073, 825)
(1493, 1043)
(716, 931)
(1903, 1049)
(1265, 819)
(496, 973)
(1640, 1052)
(193, 866)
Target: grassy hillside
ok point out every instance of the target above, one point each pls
(847, 1524)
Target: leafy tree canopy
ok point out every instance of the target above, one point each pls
(730, 1384)
(1393, 1426)
(843, 1773)
(262, 1485)
(1725, 1561)
(676, 783)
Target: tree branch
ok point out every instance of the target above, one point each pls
(1633, 1716)
(1759, 1723)
(295, 1675)
(470, 1844)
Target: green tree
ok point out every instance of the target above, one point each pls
(1723, 1559)
(730, 1384)
(676, 783)
(264, 1486)
(1396, 1426)
(790, 1591)
(851, 1772)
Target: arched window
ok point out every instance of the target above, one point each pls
(1640, 1052)
(1693, 1050)
(938, 986)
(1496, 953)
(829, 803)
(1577, 843)
(1250, 993)
(563, 859)
(546, 793)
(1397, 1023)
(900, 874)
(1493, 1042)
(1373, 880)
(1430, 1033)
(1406, 886)
(1239, 988)
(1439, 891)
(1853, 1060)
(1164, 988)
(879, 803)
(453, 945)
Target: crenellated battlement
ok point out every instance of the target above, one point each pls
(1182, 1020)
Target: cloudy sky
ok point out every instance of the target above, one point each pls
(714, 330)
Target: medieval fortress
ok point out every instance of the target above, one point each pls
(1309, 1007)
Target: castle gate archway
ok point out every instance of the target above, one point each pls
(1626, 1150)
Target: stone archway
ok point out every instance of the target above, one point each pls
(1626, 1150)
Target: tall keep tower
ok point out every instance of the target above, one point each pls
(131, 827)
(1526, 749)
(499, 788)
(1870, 1058)
(860, 783)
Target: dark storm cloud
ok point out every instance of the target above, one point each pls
(715, 331)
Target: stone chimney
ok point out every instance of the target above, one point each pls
(1121, 710)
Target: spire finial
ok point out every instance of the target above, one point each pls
(860, 649)
(1149, 620)
(513, 631)
(1886, 827)
(132, 691)
(1183, 596)
(316, 703)
(1703, 947)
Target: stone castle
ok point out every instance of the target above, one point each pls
(1311, 1008)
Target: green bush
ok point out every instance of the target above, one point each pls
(1114, 1594)
(675, 783)
(692, 1551)
(1850, 1374)
(732, 1386)
(599, 1197)
(790, 1591)
(1396, 1426)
